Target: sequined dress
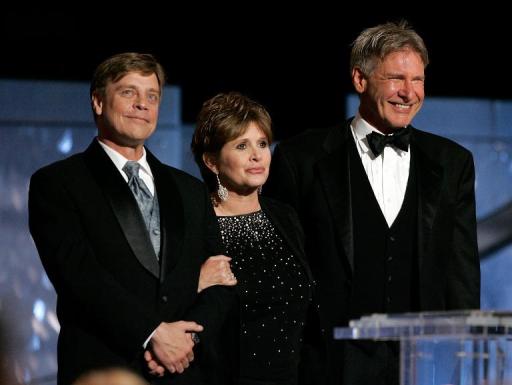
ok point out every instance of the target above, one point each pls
(274, 293)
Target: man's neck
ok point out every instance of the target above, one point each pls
(131, 153)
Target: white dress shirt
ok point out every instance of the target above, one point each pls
(388, 173)
(119, 161)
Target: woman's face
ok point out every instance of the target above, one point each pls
(243, 163)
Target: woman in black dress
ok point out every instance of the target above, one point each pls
(263, 238)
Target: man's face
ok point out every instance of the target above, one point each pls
(127, 113)
(393, 93)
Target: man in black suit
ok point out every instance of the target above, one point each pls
(388, 210)
(122, 238)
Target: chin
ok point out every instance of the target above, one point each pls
(256, 184)
(251, 187)
(400, 123)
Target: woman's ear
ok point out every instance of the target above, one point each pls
(210, 161)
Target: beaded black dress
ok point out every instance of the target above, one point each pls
(274, 292)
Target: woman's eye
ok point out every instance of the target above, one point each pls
(241, 146)
(263, 144)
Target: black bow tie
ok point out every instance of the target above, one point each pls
(399, 139)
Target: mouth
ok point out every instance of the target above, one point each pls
(402, 107)
(256, 170)
(139, 118)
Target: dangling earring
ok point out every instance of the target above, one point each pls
(222, 192)
(260, 189)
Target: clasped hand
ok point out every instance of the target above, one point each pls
(172, 344)
(172, 347)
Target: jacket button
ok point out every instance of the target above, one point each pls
(164, 299)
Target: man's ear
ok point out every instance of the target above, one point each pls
(97, 103)
(210, 160)
(359, 80)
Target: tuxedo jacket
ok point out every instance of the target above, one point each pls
(311, 172)
(112, 290)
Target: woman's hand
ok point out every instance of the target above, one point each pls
(216, 271)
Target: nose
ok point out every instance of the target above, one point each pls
(140, 104)
(256, 154)
(406, 90)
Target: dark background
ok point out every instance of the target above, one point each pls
(294, 61)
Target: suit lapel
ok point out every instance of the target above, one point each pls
(171, 215)
(429, 175)
(334, 174)
(123, 204)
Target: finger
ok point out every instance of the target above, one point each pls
(179, 367)
(156, 367)
(229, 275)
(160, 371)
(147, 356)
(157, 371)
(191, 326)
(228, 271)
(190, 356)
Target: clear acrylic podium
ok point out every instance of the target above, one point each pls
(441, 348)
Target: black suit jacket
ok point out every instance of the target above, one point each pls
(112, 291)
(311, 172)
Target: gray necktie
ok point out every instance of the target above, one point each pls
(139, 190)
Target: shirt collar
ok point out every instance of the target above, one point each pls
(119, 160)
(361, 128)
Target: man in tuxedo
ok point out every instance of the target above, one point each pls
(388, 210)
(122, 238)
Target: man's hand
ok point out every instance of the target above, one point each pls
(172, 346)
(216, 271)
(154, 367)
